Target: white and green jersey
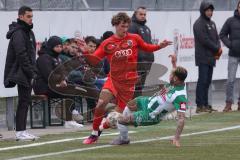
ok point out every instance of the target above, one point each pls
(168, 99)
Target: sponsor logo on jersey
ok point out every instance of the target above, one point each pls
(123, 53)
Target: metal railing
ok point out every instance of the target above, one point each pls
(128, 5)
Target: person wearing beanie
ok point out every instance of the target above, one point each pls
(230, 36)
(106, 35)
(207, 51)
(20, 67)
(65, 55)
(46, 63)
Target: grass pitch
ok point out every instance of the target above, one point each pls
(222, 145)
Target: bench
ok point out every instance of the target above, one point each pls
(40, 106)
(38, 111)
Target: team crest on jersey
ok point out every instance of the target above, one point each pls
(126, 44)
(130, 43)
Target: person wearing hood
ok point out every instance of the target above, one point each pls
(207, 50)
(20, 66)
(46, 63)
(145, 60)
(230, 36)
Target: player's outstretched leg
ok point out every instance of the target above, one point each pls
(104, 98)
(124, 120)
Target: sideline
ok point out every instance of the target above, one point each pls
(134, 142)
(54, 141)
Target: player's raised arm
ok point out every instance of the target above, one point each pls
(177, 79)
(173, 60)
(151, 47)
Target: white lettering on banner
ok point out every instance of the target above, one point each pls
(123, 53)
(186, 42)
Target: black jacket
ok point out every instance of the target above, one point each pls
(230, 34)
(139, 27)
(46, 63)
(206, 38)
(21, 55)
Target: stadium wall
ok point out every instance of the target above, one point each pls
(175, 26)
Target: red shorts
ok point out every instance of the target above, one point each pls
(122, 93)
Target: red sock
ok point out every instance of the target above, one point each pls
(97, 119)
(106, 125)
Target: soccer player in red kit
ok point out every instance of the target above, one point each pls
(121, 50)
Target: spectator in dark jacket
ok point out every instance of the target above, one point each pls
(230, 35)
(145, 60)
(46, 63)
(207, 47)
(20, 66)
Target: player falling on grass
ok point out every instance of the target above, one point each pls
(121, 50)
(143, 111)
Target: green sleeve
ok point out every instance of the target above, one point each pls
(180, 103)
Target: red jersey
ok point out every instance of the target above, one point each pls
(122, 54)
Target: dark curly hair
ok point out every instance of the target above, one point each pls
(181, 73)
(120, 17)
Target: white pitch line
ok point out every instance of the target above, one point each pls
(53, 142)
(135, 142)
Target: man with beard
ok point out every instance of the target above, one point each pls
(20, 66)
(121, 50)
(145, 60)
(144, 110)
(207, 51)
